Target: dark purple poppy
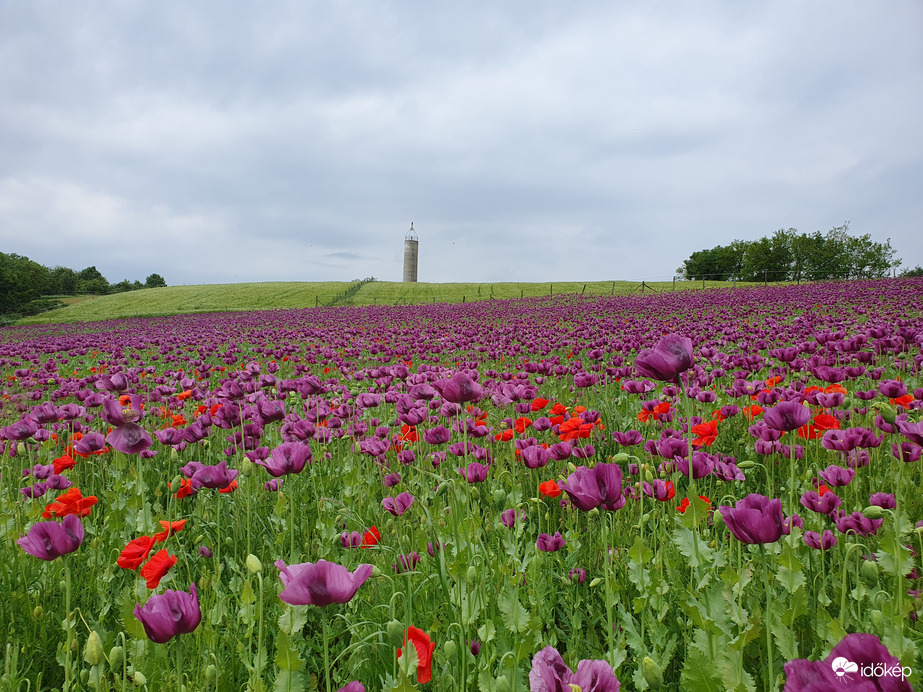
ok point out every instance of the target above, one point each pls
(908, 452)
(353, 686)
(837, 476)
(912, 431)
(288, 457)
(407, 563)
(820, 542)
(755, 519)
(48, 540)
(320, 583)
(20, 430)
(883, 500)
(858, 662)
(671, 356)
(629, 438)
(577, 574)
(787, 415)
(822, 504)
(509, 517)
(549, 673)
(170, 614)
(89, 443)
(535, 457)
(548, 543)
(217, 476)
(398, 505)
(461, 388)
(475, 473)
(437, 435)
(859, 523)
(474, 646)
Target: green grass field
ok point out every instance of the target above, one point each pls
(174, 300)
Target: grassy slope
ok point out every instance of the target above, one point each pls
(174, 300)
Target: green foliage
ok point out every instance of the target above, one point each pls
(915, 272)
(792, 256)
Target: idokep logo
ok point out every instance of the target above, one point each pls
(843, 667)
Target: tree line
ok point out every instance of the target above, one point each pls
(27, 287)
(792, 256)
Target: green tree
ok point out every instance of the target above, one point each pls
(90, 280)
(155, 281)
(916, 271)
(63, 280)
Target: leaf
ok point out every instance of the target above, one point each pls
(293, 620)
(785, 639)
(687, 542)
(487, 632)
(696, 511)
(289, 681)
(700, 673)
(515, 616)
(639, 552)
(130, 623)
(287, 657)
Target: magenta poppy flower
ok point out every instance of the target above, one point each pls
(509, 517)
(859, 523)
(600, 486)
(844, 666)
(89, 443)
(755, 519)
(671, 356)
(288, 457)
(548, 543)
(820, 542)
(203, 476)
(912, 431)
(822, 504)
(550, 674)
(908, 452)
(48, 540)
(170, 614)
(787, 415)
(320, 583)
(398, 505)
(353, 686)
(883, 500)
(475, 473)
(460, 389)
(837, 476)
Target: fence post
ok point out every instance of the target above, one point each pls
(551, 289)
(764, 276)
(463, 299)
(584, 289)
(612, 292)
(703, 281)
(315, 301)
(674, 283)
(521, 291)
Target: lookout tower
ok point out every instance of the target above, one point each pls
(411, 252)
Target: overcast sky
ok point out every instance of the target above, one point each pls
(527, 141)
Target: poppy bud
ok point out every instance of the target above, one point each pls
(746, 464)
(116, 658)
(395, 632)
(174, 455)
(873, 512)
(475, 493)
(499, 497)
(442, 487)
(887, 413)
(472, 574)
(93, 651)
(717, 518)
(648, 476)
(652, 674)
(620, 457)
(868, 573)
(20, 448)
(503, 685)
(175, 485)
(84, 676)
(878, 619)
(596, 582)
(229, 542)
(375, 571)
(254, 566)
(38, 612)
(451, 650)
(211, 674)
(139, 679)
(247, 467)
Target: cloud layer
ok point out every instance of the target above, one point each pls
(529, 141)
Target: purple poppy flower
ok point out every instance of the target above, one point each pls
(671, 356)
(535, 457)
(883, 500)
(398, 505)
(908, 452)
(35, 490)
(320, 583)
(548, 543)
(600, 486)
(20, 430)
(893, 389)
(170, 614)
(629, 438)
(755, 519)
(205, 552)
(820, 542)
(288, 457)
(474, 646)
(217, 476)
(837, 476)
(407, 563)
(859, 523)
(48, 540)
(659, 489)
(854, 654)
(912, 431)
(437, 435)
(391, 480)
(577, 574)
(786, 416)
(351, 540)
(353, 686)
(550, 674)
(89, 443)
(822, 504)
(273, 484)
(475, 473)
(460, 389)
(509, 517)
(129, 438)
(702, 464)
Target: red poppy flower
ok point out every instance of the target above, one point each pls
(169, 529)
(230, 489)
(370, 538)
(538, 404)
(684, 505)
(718, 416)
(549, 489)
(558, 409)
(751, 412)
(521, 424)
(706, 434)
(185, 489)
(182, 396)
(177, 421)
(61, 464)
(573, 429)
(821, 489)
(157, 567)
(505, 436)
(135, 552)
(70, 502)
(773, 381)
(904, 401)
(408, 433)
(424, 648)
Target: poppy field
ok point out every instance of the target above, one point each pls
(715, 490)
